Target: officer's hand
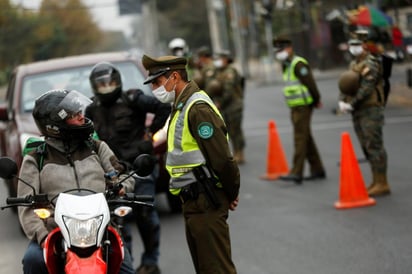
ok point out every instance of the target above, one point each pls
(122, 192)
(345, 107)
(234, 204)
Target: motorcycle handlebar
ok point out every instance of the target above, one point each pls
(18, 200)
(139, 198)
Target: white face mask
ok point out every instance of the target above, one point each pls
(356, 50)
(218, 63)
(282, 55)
(163, 95)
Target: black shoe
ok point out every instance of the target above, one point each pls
(292, 177)
(148, 269)
(316, 176)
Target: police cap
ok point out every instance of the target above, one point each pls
(159, 66)
(281, 42)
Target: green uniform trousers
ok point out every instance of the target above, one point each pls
(233, 120)
(368, 125)
(305, 147)
(207, 234)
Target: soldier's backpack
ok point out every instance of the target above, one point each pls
(386, 62)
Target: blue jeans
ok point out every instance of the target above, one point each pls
(147, 221)
(33, 261)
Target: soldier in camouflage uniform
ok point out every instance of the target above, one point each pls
(367, 105)
(205, 78)
(230, 102)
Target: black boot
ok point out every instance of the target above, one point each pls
(292, 178)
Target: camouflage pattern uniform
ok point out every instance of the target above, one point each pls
(368, 118)
(208, 75)
(230, 104)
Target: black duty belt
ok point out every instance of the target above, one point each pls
(190, 192)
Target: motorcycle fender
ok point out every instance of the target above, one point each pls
(50, 257)
(92, 264)
(117, 250)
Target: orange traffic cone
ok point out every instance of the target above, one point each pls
(352, 191)
(276, 160)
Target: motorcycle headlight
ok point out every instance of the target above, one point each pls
(83, 233)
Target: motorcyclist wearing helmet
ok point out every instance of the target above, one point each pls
(70, 158)
(120, 120)
(178, 47)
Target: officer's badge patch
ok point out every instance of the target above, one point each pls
(205, 130)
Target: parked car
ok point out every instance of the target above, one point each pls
(28, 81)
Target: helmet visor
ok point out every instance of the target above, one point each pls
(105, 84)
(73, 104)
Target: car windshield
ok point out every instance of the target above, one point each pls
(77, 79)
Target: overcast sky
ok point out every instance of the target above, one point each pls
(105, 13)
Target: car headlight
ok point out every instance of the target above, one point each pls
(83, 233)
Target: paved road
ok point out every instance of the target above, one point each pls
(281, 228)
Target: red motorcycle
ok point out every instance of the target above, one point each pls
(87, 239)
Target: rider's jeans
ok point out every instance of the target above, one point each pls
(147, 221)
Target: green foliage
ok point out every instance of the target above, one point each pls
(180, 19)
(54, 30)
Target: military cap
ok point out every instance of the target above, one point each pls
(225, 53)
(358, 37)
(204, 51)
(159, 66)
(281, 42)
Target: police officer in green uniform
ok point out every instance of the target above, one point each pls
(301, 95)
(202, 169)
(231, 101)
(366, 104)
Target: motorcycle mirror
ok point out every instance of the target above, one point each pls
(8, 168)
(144, 165)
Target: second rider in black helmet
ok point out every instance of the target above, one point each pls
(120, 120)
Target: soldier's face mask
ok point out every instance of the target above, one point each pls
(218, 63)
(178, 52)
(282, 55)
(163, 95)
(356, 50)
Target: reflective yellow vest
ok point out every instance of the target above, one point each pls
(295, 93)
(183, 152)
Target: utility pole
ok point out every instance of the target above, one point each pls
(218, 25)
(265, 10)
(151, 29)
(239, 42)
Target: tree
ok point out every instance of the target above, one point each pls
(179, 19)
(72, 28)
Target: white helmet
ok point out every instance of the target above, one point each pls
(178, 47)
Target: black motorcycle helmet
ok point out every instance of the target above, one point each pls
(53, 108)
(106, 82)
